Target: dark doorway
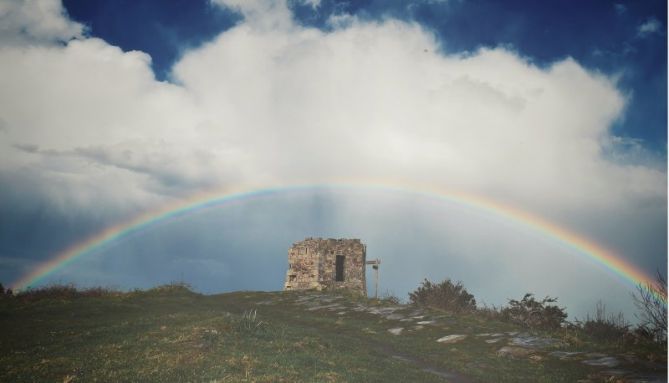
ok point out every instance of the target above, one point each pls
(339, 267)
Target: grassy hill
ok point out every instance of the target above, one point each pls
(171, 334)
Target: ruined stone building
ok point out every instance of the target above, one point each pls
(318, 263)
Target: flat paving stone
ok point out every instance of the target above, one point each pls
(607, 361)
(427, 322)
(451, 338)
(526, 340)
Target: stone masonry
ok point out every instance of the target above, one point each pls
(318, 263)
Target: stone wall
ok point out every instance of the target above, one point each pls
(312, 265)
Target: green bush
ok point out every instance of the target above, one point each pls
(528, 312)
(445, 295)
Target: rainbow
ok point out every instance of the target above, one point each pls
(582, 245)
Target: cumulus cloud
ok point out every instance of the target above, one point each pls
(372, 100)
(271, 102)
(35, 22)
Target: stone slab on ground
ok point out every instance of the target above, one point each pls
(527, 340)
(451, 338)
(606, 361)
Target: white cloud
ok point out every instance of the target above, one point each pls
(314, 4)
(36, 21)
(265, 14)
(649, 27)
(272, 102)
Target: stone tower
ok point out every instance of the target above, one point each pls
(318, 263)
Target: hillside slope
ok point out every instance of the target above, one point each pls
(171, 334)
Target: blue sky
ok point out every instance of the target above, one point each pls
(111, 109)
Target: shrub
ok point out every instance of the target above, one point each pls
(48, 292)
(171, 288)
(445, 295)
(529, 312)
(651, 300)
(62, 292)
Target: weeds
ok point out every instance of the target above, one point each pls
(489, 312)
(605, 327)
(249, 323)
(389, 298)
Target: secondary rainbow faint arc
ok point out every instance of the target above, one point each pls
(201, 201)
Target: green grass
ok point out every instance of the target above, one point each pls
(171, 334)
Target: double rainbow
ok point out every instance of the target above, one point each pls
(582, 245)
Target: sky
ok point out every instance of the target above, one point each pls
(109, 110)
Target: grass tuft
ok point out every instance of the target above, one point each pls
(249, 323)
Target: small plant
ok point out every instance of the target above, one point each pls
(249, 323)
(529, 312)
(445, 295)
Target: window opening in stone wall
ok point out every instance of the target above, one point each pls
(339, 268)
